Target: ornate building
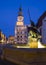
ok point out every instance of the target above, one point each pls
(20, 29)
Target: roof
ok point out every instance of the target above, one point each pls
(32, 23)
(39, 23)
(33, 29)
(11, 36)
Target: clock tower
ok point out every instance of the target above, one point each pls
(20, 18)
(20, 29)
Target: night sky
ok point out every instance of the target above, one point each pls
(9, 12)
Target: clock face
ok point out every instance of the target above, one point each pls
(20, 18)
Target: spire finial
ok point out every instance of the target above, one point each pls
(29, 13)
(20, 11)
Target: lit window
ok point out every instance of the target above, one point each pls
(19, 23)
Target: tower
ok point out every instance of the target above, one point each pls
(20, 29)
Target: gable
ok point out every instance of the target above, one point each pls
(39, 23)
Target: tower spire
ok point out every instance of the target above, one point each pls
(31, 22)
(29, 15)
(20, 11)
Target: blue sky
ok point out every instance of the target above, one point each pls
(9, 12)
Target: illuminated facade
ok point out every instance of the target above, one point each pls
(11, 39)
(2, 37)
(20, 29)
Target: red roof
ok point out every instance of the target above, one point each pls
(40, 20)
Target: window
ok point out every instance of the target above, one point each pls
(17, 39)
(25, 32)
(25, 36)
(21, 39)
(17, 36)
(17, 32)
(21, 32)
(21, 36)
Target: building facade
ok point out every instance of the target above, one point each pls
(2, 38)
(11, 39)
(41, 26)
(20, 29)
